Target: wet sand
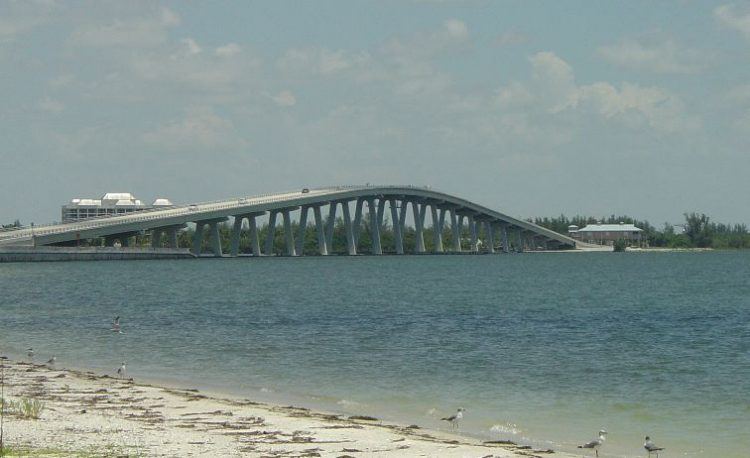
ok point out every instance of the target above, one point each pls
(87, 414)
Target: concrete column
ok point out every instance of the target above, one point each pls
(332, 223)
(472, 232)
(254, 242)
(456, 227)
(236, 230)
(300, 248)
(520, 241)
(506, 245)
(398, 239)
(418, 225)
(288, 234)
(402, 217)
(215, 238)
(271, 232)
(437, 230)
(374, 227)
(322, 245)
(198, 238)
(357, 219)
(156, 237)
(489, 235)
(172, 237)
(351, 245)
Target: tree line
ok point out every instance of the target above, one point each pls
(697, 231)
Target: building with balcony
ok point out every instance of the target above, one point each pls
(110, 204)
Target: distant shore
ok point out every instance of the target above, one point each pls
(85, 414)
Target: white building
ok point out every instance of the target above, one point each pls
(110, 204)
(607, 234)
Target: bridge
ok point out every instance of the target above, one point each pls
(489, 230)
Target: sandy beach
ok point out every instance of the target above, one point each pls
(87, 414)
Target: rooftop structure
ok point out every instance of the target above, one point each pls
(110, 204)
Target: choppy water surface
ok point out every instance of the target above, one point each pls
(539, 348)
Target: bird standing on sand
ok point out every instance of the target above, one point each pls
(455, 418)
(651, 447)
(52, 361)
(596, 443)
(30, 354)
(121, 370)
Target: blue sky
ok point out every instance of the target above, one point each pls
(532, 108)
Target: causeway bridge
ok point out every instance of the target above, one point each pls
(489, 230)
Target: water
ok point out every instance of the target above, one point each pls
(539, 348)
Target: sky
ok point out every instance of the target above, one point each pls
(532, 108)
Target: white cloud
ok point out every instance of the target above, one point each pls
(228, 50)
(456, 29)
(51, 105)
(729, 16)
(664, 57)
(191, 47)
(200, 128)
(553, 89)
(20, 17)
(146, 31)
(317, 61)
(285, 99)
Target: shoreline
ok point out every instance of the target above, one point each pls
(143, 419)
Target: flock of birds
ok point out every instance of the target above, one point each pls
(452, 419)
(594, 444)
(121, 371)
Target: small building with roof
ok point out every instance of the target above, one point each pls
(608, 234)
(110, 204)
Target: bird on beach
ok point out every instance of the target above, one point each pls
(455, 418)
(121, 370)
(651, 447)
(596, 443)
(52, 361)
(30, 354)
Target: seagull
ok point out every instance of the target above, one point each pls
(454, 419)
(116, 324)
(51, 361)
(30, 354)
(651, 447)
(596, 443)
(121, 370)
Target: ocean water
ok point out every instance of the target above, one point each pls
(538, 348)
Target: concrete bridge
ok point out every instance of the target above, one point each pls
(489, 230)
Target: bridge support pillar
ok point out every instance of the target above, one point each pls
(198, 238)
(322, 245)
(520, 247)
(172, 237)
(437, 228)
(236, 232)
(456, 229)
(156, 234)
(271, 232)
(489, 235)
(504, 238)
(418, 213)
(300, 245)
(288, 234)
(398, 238)
(215, 238)
(359, 203)
(351, 243)
(473, 233)
(374, 226)
(331, 224)
(254, 239)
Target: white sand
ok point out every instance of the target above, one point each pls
(90, 415)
